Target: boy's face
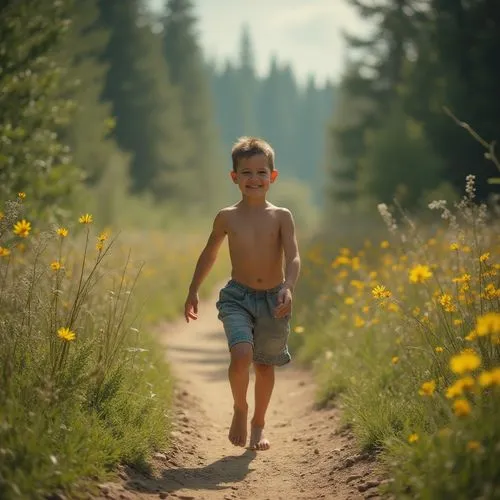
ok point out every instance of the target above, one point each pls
(254, 176)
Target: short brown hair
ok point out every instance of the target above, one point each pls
(246, 147)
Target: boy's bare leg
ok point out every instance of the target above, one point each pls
(241, 357)
(264, 384)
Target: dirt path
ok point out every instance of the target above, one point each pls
(311, 457)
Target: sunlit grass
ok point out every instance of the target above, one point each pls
(406, 331)
(83, 382)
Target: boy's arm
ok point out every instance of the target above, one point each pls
(291, 250)
(292, 264)
(205, 262)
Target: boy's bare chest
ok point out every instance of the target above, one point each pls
(245, 230)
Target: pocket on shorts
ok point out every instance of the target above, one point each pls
(230, 294)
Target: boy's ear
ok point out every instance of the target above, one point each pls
(233, 176)
(274, 175)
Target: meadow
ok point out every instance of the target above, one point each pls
(403, 332)
(83, 381)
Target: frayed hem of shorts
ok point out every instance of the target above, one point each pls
(279, 361)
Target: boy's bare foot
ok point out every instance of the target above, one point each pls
(238, 430)
(257, 439)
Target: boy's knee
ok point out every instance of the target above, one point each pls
(241, 355)
(262, 369)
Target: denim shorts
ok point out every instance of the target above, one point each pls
(247, 316)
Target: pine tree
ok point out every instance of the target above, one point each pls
(149, 120)
(374, 85)
(33, 105)
(189, 74)
(247, 85)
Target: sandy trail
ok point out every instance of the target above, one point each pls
(311, 456)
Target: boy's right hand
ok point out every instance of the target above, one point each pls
(191, 306)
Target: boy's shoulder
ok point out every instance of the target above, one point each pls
(234, 209)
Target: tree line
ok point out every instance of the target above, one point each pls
(291, 116)
(106, 94)
(391, 134)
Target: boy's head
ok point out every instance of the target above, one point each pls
(246, 147)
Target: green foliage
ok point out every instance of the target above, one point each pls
(398, 163)
(89, 133)
(33, 108)
(81, 389)
(188, 73)
(405, 333)
(421, 57)
(150, 122)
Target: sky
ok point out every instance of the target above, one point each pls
(305, 33)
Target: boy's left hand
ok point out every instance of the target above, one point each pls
(284, 306)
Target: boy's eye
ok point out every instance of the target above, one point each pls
(262, 172)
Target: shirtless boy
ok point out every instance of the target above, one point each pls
(256, 304)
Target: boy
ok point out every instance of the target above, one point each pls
(256, 303)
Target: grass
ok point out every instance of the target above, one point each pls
(83, 382)
(404, 333)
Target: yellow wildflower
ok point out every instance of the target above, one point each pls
(85, 219)
(99, 246)
(66, 334)
(366, 309)
(488, 378)
(55, 266)
(103, 236)
(464, 362)
(21, 195)
(22, 228)
(461, 408)
(484, 257)
(393, 307)
(4, 252)
(490, 292)
(458, 321)
(413, 438)
(62, 232)
(488, 324)
(438, 349)
(473, 445)
(384, 244)
(299, 329)
(2, 215)
(446, 301)
(472, 336)
(395, 360)
(349, 301)
(461, 385)
(454, 246)
(465, 278)
(427, 388)
(420, 274)
(358, 321)
(381, 292)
